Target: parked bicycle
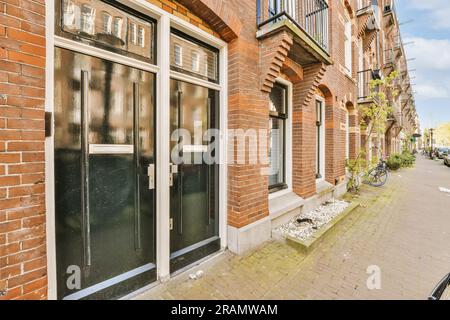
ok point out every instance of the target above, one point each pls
(376, 177)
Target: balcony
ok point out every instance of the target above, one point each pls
(307, 20)
(390, 12)
(389, 59)
(398, 45)
(369, 7)
(364, 78)
(405, 99)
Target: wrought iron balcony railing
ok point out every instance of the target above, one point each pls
(389, 58)
(397, 40)
(310, 16)
(364, 78)
(365, 5)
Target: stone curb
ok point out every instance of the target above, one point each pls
(306, 246)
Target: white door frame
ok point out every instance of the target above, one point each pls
(164, 22)
(322, 141)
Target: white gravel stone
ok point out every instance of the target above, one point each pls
(319, 217)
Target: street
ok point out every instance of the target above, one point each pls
(401, 230)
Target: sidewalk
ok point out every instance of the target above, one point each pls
(403, 228)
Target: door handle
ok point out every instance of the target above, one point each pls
(151, 176)
(173, 170)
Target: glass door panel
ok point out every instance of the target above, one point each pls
(194, 198)
(105, 200)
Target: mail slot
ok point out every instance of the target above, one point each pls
(111, 149)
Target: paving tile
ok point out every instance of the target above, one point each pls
(402, 228)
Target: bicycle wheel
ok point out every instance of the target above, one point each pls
(377, 178)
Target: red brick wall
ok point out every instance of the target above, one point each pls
(181, 11)
(304, 146)
(248, 109)
(22, 189)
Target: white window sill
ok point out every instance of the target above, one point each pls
(284, 203)
(279, 193)
(323, 186)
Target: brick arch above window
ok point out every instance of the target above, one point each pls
(292, 70)
(350, 108)
(324, 91)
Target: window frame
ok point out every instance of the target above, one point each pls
(286, 186)
(347, 134)
(195, 61)
(320, 141)
(58, 31)
(348, 47)
(178, 47)
(179, 68)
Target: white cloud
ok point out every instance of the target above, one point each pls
(432, 64)
(432, 92)
(438, 11)
(429, 53)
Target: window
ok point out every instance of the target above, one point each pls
(193, 57)
(104, 24)
(178, 55)
(133, 33)
(277, 137)
(347, 134)
(320, 138)
(87, 19)
(69, 15)
(107, 20)
(195, 61)
(348, 45)
(141, 37)
(118, 27)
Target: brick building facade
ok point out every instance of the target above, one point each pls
(268, 65)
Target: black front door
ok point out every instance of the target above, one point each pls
(104, 177)
(194, 181)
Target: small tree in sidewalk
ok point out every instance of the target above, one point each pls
(374, 117)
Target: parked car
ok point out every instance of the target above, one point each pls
(447, 159)
(441, 152)
(442, 291)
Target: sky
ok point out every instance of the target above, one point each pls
(427, 39)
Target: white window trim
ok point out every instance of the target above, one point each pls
(164, 22)
(288, 142)
(348, 47)
(347, 134)
(322, 142)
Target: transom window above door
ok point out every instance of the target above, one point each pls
(193, 58)
(107, 24)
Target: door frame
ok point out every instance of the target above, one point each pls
(164, 22)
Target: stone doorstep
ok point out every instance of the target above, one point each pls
(308, 245)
